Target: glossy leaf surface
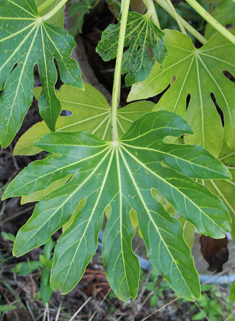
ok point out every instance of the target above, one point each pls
(141, 33)
(27, 40)
(198, 73)
(122, 174)
(90, 113)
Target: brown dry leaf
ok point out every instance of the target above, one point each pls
(215, 252)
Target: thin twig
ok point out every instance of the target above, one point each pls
(100, 305)
(180, 297)
(199, 308)
(229, 316)
(58, 313)
(76, 313)
(16, 215)
(30, 311)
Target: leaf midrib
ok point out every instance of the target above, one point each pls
(69, 197)
(164, 153)
(172, 186)
(150, 217)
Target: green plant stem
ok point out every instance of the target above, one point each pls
(186, 25)
(153, 13)
(212, 21)
(94, 5)
(44, 5)
(176, 16)
(54, 10)
(117, 73)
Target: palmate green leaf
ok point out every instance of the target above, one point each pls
(90, 113)
(121, 175)
(58, 18)
(141, 33)
(198, 73)
(226, 189)
(224, 13)
(26, 40)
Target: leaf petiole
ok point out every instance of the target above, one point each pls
(118, 66)
(54, 10)
(186, 25)
(153, 13)
(212, 21)
(44, 5)
(176, 17)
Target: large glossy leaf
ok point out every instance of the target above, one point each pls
(27, 40)
(90, 112)
(198, 73)
(122, 174)
(224, 12)
(141, 33)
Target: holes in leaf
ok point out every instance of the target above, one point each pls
(218, 108)
(66, 113)
(228, 75)
(188, 98)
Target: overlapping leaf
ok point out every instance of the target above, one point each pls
(224, 12)
(141, 33)
(122, 174)
(27, 40)
(90, 112)
(79, 9)
(198, 73)
(225, 189)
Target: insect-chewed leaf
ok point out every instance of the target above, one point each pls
(27, 40)
(141, 33)
(122, 174)
(198, 73)
(90, 112)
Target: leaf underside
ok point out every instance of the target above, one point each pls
(24, 42)
(198, 73)
(141, 33)
(122, 175)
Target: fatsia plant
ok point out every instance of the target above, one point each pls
(121, 162)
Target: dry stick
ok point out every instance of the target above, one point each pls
(30, 311)
(100, 305)
(180, 297)
(229, 316)
(16, 215)
(199, 308)
(76, 313)
(58, 313)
